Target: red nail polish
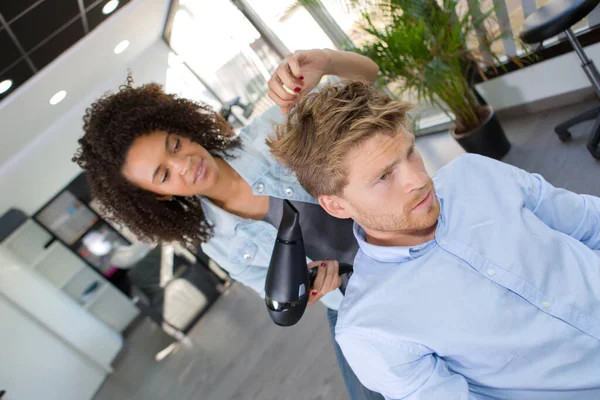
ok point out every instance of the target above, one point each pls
(314, 293)
(301, 77)
(297, 89)
(323, 265)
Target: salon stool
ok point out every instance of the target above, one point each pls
(556, 17)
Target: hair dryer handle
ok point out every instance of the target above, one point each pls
(345, 271)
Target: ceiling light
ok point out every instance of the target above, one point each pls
(5, 85)
(110, 7)
(121, 47)
(58, 97)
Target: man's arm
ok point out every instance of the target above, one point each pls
(404, 371)
(577, 215)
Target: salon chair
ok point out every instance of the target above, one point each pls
(556, 17)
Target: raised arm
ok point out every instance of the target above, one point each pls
(302, 71)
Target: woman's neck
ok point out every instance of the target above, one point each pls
(233, 194)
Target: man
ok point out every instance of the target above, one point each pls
(482, 283)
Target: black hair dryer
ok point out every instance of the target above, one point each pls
(289, 281)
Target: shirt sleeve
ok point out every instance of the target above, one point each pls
(577, 215)
(404, 371)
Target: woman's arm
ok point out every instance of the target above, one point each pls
(348, 65)
(302, 71)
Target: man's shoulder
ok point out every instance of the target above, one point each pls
(467, 162)
(472, 169)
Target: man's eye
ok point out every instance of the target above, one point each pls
(177, 146)
(165, 177)
(384, 177)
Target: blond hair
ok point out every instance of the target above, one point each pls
(326, 124)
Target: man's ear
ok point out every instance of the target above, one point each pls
(334, 205)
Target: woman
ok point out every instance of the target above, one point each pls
(172, 170)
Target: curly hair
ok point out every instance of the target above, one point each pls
(112, 123)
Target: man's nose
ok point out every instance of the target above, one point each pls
(415, 179)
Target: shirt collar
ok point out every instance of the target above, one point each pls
(396, 254)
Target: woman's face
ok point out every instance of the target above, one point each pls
(170, 165)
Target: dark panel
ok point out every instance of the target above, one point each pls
(57, 45)
(10, 222)
(88, 3)
(19, 74)
(80, 188)
(95, 16)
(43, 20)
(11, 8)
(10, 53)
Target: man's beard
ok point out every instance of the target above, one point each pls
(404, 221)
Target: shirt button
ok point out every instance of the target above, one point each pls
(260, 188)
(289, 192)
(491, 272)
(545, 304)
(247, 256)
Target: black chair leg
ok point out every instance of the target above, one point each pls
(562, 129)
(594, 143)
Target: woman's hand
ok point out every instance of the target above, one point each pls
(298, 73)
(327, 279)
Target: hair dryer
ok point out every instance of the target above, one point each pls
(288, 279)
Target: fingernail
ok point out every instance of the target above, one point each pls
(297, 89)
(301, 77)
(323, 265)
(314, 293)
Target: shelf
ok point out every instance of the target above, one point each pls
(93, 300)
(59, 265)
(81, 281)
(43, 255)
(27, 242)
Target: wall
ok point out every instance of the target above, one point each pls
(551, 83)
(43, 167)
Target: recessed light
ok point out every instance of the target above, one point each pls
(110, 7)
(121, 47)
(58, 97)
(5, 85)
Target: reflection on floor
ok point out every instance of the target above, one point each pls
(235, 351)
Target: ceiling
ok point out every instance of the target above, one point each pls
(35, 32)
(81, 70)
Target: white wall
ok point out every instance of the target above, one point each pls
(43, 167)
(557, 78)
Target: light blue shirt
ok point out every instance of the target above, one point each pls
(243, 247)
(504, 303)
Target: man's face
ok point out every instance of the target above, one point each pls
(388, 188)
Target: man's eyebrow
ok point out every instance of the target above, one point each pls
(396, 161)
(412, 146)
(387, 167)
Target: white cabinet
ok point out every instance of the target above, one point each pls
(52, 260)
(51, 347)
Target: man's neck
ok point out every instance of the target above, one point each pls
(400, 238)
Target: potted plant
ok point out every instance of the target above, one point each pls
(423, 48)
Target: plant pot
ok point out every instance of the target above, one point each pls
(488, 140)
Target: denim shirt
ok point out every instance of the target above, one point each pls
(243, 246)
(504, 302)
